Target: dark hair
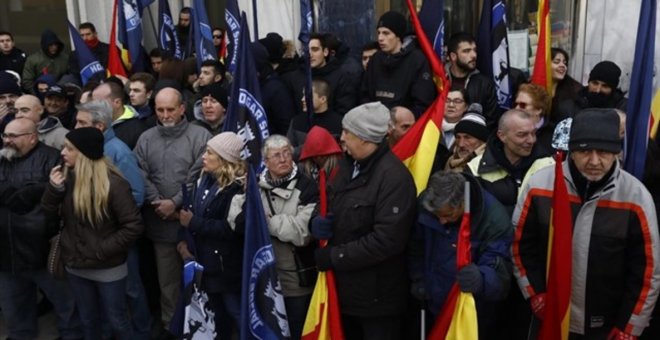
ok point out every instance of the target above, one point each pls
(87, 25)
(145, 78)
(7, 33)
(155, 53)
(465, 95)
(185, 10)
(332, 42)
(320, 37)
(556, 50)
(218, 67)
(116, 90)
(372, 45)
(457, 38)
(172, 69)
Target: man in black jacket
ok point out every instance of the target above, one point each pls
(463, 73)
(25, 165)
(372, 207)
(11, 58)
(398, 74)
(99, 49)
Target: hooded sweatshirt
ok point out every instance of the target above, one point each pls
(42, 62)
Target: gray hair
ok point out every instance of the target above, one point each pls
(275, 142)
(99, 110)
(503, 123)
(444, 188)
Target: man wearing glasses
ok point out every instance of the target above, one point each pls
(25, 164)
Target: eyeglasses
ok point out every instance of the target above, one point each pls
(522, 105)
(284, 155)
(217, 37)
(14, 135)
(456, 101)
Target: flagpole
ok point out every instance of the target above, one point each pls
(254, 20)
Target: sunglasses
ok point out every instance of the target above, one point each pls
(217, 37)
(522, 105)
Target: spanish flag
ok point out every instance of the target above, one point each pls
(557, 312)
(655, 116)
(323, 320)
(542, 74)
(115, 66)
(417, 148)
(458, 317)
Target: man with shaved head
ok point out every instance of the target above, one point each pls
(25, 165)
(125, 122)
(169, 155)
(50, 130)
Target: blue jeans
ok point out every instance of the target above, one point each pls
(137, 297)
(91, 296)
(296, 312)
(18, 300)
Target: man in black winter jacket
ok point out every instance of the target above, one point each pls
(398, 74)
(25, 165)
(11, 58)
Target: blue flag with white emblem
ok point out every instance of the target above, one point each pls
(168, 41)
(641, 91)
(245, 114)
(232, 18)
(88, 63)
(263, 313)
(202, 33)
(493, 49)
(431, 15)
(130, 33)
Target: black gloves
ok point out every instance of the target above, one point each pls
(469, 279)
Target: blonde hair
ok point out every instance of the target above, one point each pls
(91, 188)
(229, 172)
(309, 167)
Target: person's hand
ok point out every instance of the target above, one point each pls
(182, 249)
(4, 111)
(184, 217)
(537, 302)
(321, 227)
(469, 279)
(57, 176)
(617, 334)
(164, 208)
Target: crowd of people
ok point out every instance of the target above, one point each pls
(137, 176)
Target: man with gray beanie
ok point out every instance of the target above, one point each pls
(616, 273)
(398, 74)
(371, 212)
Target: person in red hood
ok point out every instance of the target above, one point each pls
(320, 151)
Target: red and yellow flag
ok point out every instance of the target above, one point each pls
(557, 312)
(655, 116)
(542, 74)
(323, 320)
(458, 317)
(115, 66)
(417, 148)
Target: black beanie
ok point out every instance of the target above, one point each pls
(9, 84)
(216, 91)
(595, 129)
(88, 140)
(473, 124)
(274, 44)
(607, 72)
(394, 21)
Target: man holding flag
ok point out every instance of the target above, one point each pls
(433, 253)
(615, 269)
(372, 208)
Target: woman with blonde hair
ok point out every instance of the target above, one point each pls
(100, 222)
(210, 218)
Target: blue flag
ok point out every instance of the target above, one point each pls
(641, 92)
(245, 114)
(493, 49)
(168, 41)
(305, 32)
(263, 313)
(130, 32)
(88, 63)
(431, 15)
(232, 18)
(142, 4)
(203, 34)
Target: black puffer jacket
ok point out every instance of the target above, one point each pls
(24, 229)
(401, 79)
(373, 218)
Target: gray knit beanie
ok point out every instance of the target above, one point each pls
(368, 121)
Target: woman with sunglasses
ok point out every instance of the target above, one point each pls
(535, 100)
(100, 223)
